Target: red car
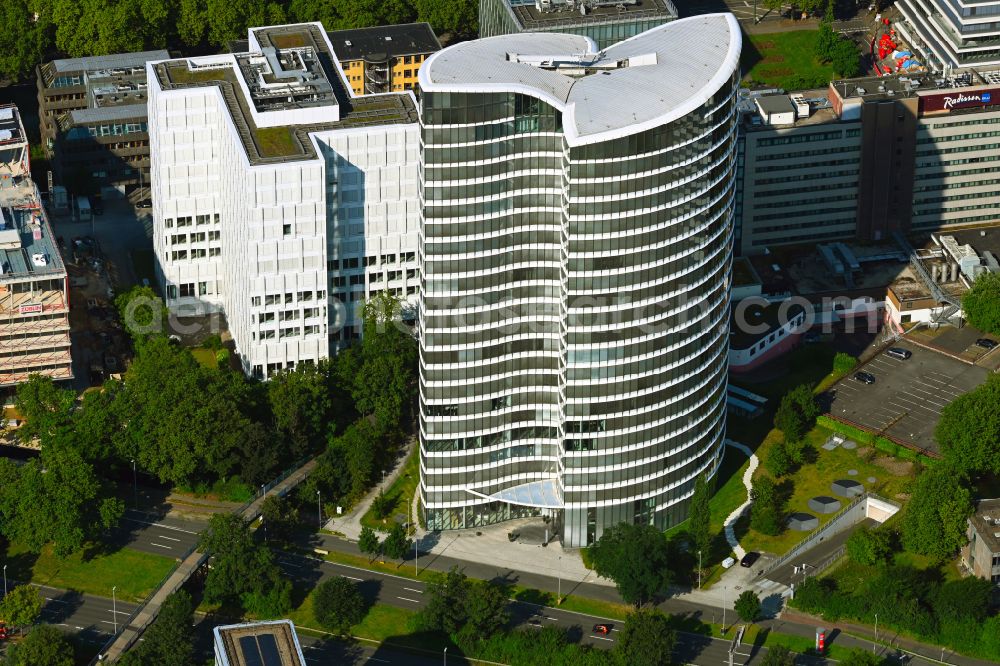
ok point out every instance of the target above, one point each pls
(601, 628)
(3, 631)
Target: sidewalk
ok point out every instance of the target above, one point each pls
(349, 524)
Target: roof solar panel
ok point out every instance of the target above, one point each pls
(251, 653)
(269, 650)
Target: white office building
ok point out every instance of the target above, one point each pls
(954, 33)
(576, 250)
(279, 197)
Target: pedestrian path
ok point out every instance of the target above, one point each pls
(730, 523)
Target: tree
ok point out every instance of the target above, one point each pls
(747, 606)
(966, 598)
(300, 402)
(969, 429)
(699, 517)
(45, 407)
(646, 639)
(242, 569)
(338, 604)
(446, 597)
(981, 304)
(844, 363)
(279, 516)
(397, 544)
(935, 519)
(766, 507)
(21, 606)
(797, 412)
(359, 450)
(229, 19)
(142, 312)
(458, 17)
(826, 41)
(23, 39)
(383, 384)
(778, 461)
(860, 658)
(368, 543)
(779, 655)
(168, 641)
(869, 547)
(485, 607)
(636, 557)
(845, 58)
(43, 646)
(56, 498)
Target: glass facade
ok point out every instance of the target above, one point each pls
(574, 312)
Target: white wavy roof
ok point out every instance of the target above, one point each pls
(694, 57)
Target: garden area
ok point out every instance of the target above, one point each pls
(799, 59)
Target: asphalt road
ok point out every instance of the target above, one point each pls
(92, 618)
(170, 537)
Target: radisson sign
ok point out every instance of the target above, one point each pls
(954, 100)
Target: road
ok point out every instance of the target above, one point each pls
(170, 537)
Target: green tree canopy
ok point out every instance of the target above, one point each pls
(646, 639)
(22, 606)
(747, 606)
(300, 400)
(637, 558)
(869, 546)
(969, 429)
(369, 543)
(797, 412)
(981, 304)
(169, 640)
(778, 655)
(397, 544)
(966, 598)
(935, 519)
(43, 646)
(142, 312)
(46, 408)
(446, 607)
(485, 607)
(700, 516)
(23, 39)
(384, 383)
(280, 516)
(778, 462)
(338, 604)
(860, 658)
(767, 510)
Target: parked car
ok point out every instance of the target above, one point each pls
(986, 343)
(899, 352)
(865, 377)
(602, 628)
(749, 559)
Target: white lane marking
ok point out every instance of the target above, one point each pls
(382, 661)
(107, 622)
(360, 580)
(410, 589)
(167, 538)
(410, 600)
(166, 527)
(56, 601)
(290, 564)
(161, 545)
(602, 638)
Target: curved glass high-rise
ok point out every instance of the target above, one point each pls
(576, 246)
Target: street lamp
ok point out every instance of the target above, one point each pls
(114, 608)
(446, 656)
(264, 525)
(876, 633)
(5, 580)
(262, 491)
(699, 569)
(319, 509)
(135, 485)
(725, 602)
(416, 557)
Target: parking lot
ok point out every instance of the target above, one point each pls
(906, 400)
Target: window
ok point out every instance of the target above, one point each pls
(311, 330)
(286, 230)
(395, 275)
(339, 281)
(202, 288)
(351, 263)
(183, 221)
(199, 253)
(357, 279)
(214, 251)
(255, 301)
(310, 312)
(388, 258)
(289, 315)
(171, 291)
(375, 277)
(409, 256)
(178, 255)
(288, 298)
(411, 273)
(267, 316)
(305, 295)
(333, 265)
(203, 219)
(370, 261)
(267, 335)
(168, 223)
(177, 239)
(187, 290)
(272, 299)
(214, 235)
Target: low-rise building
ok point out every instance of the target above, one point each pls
(605, 21)
(384, 58)
(92, 114)
(762, 331)
(272, 643)
(34, 303)
(981, 555)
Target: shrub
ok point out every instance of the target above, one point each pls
(844, 363)
(747, 606)
(778, 461)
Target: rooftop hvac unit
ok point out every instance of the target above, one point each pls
(39, 259)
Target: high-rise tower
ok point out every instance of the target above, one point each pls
(576, 248)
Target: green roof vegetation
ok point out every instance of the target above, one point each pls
(276, 142)
(785, 60)
(179, 73)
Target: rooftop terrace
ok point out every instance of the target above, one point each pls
(553, 14)
(294, 70)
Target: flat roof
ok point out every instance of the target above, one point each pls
(260, 644)
(554, 14)
(11, 128)
(772, 316)
(380, 43)
(989, 532)
(308, 72)
(775, 104)
(982, 239)
(27, 246)
(108, 114)
(635, 85)
(113, 61)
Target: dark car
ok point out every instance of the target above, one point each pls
(602, 628)
(899, 352)
(865, 377)
(749, 559)
(986, 343)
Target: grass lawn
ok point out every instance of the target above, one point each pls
(814, 479)
(276, 141)
(135, 574)
(784, 60)
(144, 265)
(206, 357)
(400, 494)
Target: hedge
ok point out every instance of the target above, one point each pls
(883, 444)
